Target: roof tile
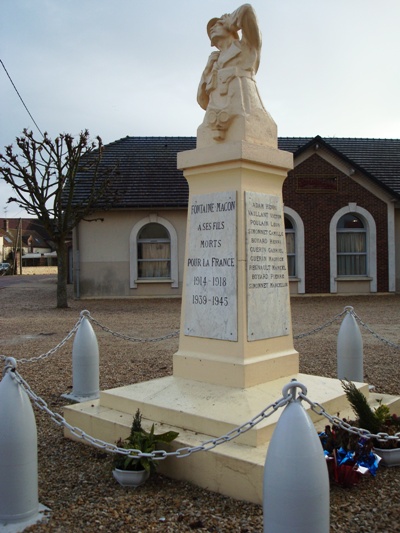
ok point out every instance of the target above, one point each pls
(146, 175)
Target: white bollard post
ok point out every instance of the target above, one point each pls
(350, 349)
(296, 481)
(85, 364)
(19, 504)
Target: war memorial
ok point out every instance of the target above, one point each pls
(236, 346)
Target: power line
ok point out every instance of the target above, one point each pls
(20, 97)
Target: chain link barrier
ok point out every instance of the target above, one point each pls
(157, 455)
(86, 314)
(318, 409)
(127, 337)
(378, 337)
(348, 309)
(53, 350)
(288, 391)
(320, 328)
(327, 324)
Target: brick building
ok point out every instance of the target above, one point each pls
(342, 218)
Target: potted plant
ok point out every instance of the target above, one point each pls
(376, 421)
(133, 470)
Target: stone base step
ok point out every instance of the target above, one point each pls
(200, 412)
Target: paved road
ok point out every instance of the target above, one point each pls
(10, 281)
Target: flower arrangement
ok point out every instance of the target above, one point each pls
(348, 456)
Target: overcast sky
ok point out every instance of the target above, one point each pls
(131, 67)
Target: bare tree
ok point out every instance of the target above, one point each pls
(44, 175)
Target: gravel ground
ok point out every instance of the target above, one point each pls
(75, 480)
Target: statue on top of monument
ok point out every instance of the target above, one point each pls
(227, 90)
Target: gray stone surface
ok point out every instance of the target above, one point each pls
(267, 282)
(211, 269)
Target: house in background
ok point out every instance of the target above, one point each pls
(342, 219)
(30, 235)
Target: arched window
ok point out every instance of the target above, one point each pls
(154, 252)
(351, 246)
(294, 230)
(290, 246)
(153, 246)
(352, 236)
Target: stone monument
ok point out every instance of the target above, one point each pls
(235, 328)
(228, 90)
(236, 347)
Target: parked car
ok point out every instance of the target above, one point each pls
(4, 268)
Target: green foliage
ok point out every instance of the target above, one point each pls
(141, 441)
(375, 421)
(382, 412)
(366, 416)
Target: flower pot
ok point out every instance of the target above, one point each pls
(343, 475)
(130, 478)
(389, 456)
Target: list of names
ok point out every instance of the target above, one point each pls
(267, 280)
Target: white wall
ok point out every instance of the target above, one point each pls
(104, 259)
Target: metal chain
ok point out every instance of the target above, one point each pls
(320, 328)
(350, 310)
(127, 337)
(318, 409)
(382, 339)
(53, 350)
(87, 314)
(157, 455)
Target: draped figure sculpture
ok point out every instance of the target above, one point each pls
(228, 91)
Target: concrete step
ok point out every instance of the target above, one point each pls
(200, 412)
(393, 402)
(216, 410)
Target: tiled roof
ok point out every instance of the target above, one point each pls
(147, 176)
(31, 227)
(378, 158)
(146, 173)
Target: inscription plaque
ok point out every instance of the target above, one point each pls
(211, 269)
(267, 280)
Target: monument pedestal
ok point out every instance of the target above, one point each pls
(235, 327)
